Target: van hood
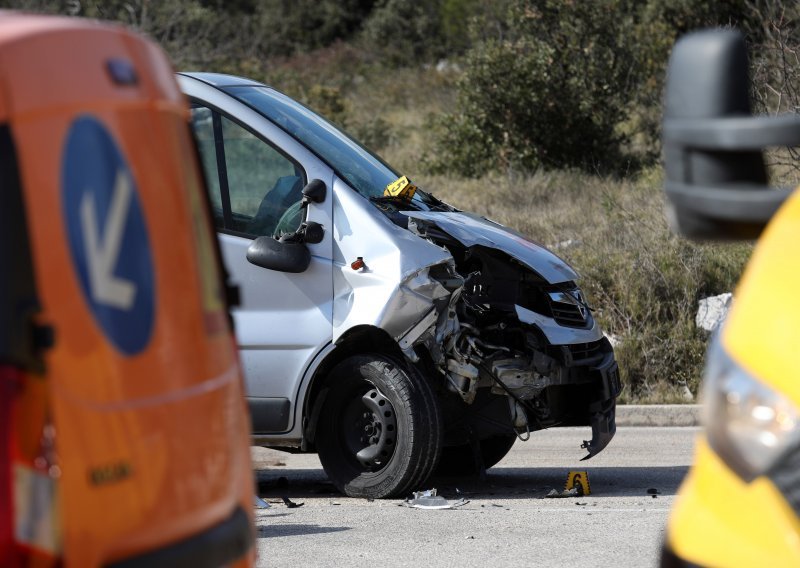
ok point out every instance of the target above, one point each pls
(473, 230)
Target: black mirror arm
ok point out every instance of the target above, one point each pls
(734, 134)
(309, 232)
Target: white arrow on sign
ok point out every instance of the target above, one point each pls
(102, 256)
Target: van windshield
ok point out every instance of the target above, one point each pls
(362, 169)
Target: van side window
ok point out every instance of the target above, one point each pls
(204, 134)
(259, 187)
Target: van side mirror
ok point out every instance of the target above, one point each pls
(284, 256)
(314, 192)
(716, 180)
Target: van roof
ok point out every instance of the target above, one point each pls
(223, 80)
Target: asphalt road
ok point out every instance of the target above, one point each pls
(508, 521)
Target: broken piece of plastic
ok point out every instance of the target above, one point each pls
(291, 504)
(555, 493)
(259, 503)
(429, 499)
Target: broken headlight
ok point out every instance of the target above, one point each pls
(749, 425)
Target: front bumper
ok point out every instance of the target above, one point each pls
(720, 520)
(602, 411)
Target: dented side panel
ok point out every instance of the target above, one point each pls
(393, 290)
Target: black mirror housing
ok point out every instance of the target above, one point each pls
(312, 232)
(716, 180)
(314, 192)
(270, 253)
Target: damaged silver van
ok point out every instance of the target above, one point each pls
(379, 326)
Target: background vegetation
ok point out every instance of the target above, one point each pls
(541, 114)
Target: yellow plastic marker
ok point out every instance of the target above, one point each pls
(578, 478)
(401, 188)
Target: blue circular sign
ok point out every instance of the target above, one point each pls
(107, 235)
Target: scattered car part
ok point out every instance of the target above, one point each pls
(259, 503)
(430, 499)
(291, 504)
(556, 494)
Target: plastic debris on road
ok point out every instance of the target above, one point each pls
(429, 499)
(291, 504)
(259, 503)
(555, 493)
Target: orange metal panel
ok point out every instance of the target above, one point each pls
(152, 439)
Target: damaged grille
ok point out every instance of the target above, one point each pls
(579, 354)
(568, 308)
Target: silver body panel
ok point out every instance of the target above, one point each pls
(393, 291)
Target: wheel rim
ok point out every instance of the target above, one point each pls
(370, 430)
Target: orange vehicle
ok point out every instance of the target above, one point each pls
(123, 428)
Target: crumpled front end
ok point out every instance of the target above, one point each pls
(518, 344)
(495, 321)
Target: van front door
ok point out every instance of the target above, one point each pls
(284, 319)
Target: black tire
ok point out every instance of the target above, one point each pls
(460, 461)
(380, 428)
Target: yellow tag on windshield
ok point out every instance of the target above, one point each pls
(401, 188)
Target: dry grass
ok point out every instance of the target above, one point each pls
(643, 281)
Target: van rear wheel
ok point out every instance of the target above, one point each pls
(380, 430)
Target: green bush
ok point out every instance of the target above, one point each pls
(404, 32)
(569, 84)
(547, 95)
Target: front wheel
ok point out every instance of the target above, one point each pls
(380, 429)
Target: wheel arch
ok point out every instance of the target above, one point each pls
(359, 340)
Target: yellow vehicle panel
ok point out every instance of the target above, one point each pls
(719, 520)
(761, 331)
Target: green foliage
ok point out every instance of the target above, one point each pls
(203, 34)
(404, 32)
(328, 102)
(547, 95)
(568, 84)
(289, 26)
